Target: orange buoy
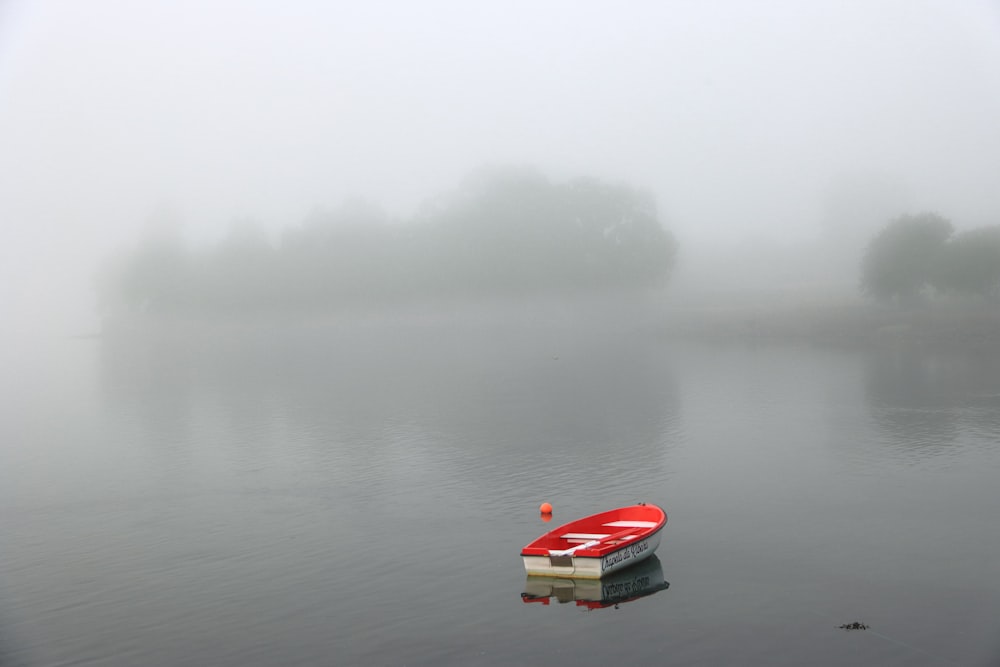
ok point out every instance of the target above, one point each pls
(545, 508)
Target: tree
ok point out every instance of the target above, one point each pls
(155, 276)
(971, 263)
(504, 231)
(623, 240)
(238, 274)
(905, 257)
(511, 229)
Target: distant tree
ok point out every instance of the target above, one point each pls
(856, 205)
(971, 263)
(238, 273)
(503, 231)
(622, 237)
(905, 257)
(512, 229)
(338, 254)
(155, 276)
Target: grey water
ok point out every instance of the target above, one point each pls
(358, 494)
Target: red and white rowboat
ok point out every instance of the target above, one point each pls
(597, 545)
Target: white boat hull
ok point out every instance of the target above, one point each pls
(632, 583)
(582, 567)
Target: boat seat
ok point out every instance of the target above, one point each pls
(631, 524)
(584, 536)
(616, 538)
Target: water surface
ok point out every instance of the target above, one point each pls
(359, 494)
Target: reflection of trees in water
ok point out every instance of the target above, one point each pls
(397, 400)
(925, 403)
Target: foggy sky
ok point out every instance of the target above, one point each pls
(742, 118)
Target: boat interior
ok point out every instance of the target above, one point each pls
(599, 531)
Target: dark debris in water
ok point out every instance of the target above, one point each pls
(853, 626)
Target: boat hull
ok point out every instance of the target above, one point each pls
(593, 567)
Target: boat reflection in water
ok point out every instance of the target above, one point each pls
(641, 580)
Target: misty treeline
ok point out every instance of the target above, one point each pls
(918, 255)
(503, 231)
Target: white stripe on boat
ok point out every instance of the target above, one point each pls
(572, 550)
(587, 545)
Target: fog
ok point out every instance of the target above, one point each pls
(761, 130)
(306, 309)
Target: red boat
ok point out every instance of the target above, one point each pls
(597, 545)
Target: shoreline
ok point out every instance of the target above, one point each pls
(934, 324)
(832, 323)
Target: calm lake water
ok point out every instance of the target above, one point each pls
(359, 495)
